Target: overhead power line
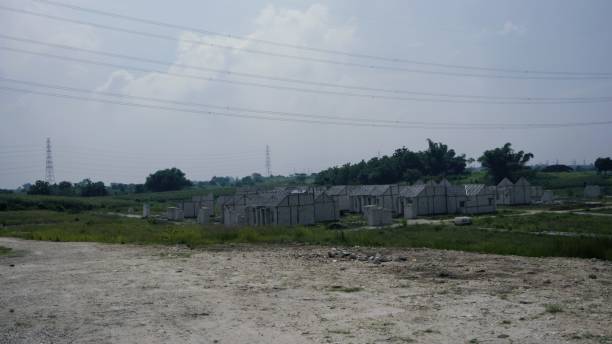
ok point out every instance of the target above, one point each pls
(349, 119)
(311, 121)
(304, 90)
(581, 76)
(300, 81)
(308, 48)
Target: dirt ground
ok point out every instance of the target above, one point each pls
(95, 293)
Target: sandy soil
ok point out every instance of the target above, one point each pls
(94, 293)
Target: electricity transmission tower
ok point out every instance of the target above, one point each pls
(268, 161)
(49, 175)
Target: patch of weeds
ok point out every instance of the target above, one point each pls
(175, 255)
(553, 308)
(474, 341)
(400, 340)
(345, 289)
(339, 331)
(506, 322)
(5, 251)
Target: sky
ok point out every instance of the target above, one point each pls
(382, 97)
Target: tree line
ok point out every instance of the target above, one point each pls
(403, 165)
(438, 160)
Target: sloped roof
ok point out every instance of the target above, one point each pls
(444, 182)
(505, 182)
(522, 181)
(473, 189)
(369, 190)
(336, 190)
(266, 199)
(412, 190)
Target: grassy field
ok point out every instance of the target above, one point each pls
(557, 181)
(120, 230)
(5, 251)
(600, 211)
(120, 203)
(548, 222)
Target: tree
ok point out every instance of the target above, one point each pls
(167, 180)
(40, 188)
(403, 166)
(440, 161)
(504, 162)
(65, 188)
(557, 168)
(89, 189)
(603, 165)
(257, 178)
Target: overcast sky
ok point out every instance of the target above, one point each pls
(118, 143)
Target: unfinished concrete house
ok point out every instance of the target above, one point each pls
(521, 192)
(430, 199)
(504, 191)
(286, 209)
(234, 215)
(204, 201)
(189, 208)
(325, 208)
(479, 199)
(232, 210)
(386, 196)
(340, 194)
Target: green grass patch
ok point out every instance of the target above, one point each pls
(553, 308)
(24, 217)
(96, 227)
(15, 202)
(549, 222)
(5, 251)
(345, 289)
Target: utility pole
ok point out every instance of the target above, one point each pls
(49, 175)
(268, 161)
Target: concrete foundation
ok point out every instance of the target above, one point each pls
(377, 215)
(146, 210)
(174, 214)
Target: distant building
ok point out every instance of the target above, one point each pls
(479, 199)
(519, 193)
(386, 196)
(340, 194)
(429, 199)
(325, 208)
(592, 191)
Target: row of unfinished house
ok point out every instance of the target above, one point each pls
(379, 203)
(422, 199)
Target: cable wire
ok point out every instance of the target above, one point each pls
(225, 114)
(277, 113)
(307, 48)
(296, 89)
(298, 81)
(594, 76)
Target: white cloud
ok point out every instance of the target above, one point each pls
(510, 28)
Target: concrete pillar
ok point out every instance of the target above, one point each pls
(146, 210)
(204, 215)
